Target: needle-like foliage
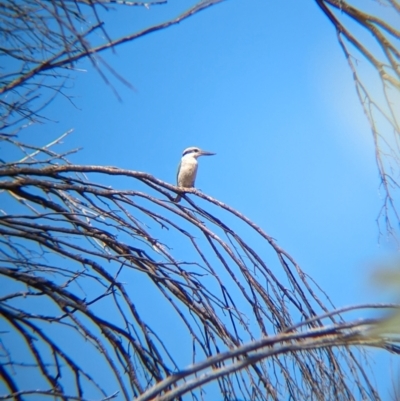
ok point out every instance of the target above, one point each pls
(120, 292)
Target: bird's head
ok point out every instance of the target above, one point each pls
(196, 152)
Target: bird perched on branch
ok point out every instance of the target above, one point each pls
(187, 169)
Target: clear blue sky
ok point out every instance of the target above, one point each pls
(266, 86)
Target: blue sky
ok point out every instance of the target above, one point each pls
(272, 96)
(266, 86)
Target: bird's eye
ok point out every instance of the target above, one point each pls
(195, 150)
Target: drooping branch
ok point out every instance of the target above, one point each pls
(380, 109)
(87, 250)
(47, 39)
(344, 334)
(100, 269)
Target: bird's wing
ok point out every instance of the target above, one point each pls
(177, 173)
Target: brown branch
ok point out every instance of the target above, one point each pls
(67, 57)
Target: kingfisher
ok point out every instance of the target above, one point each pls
(187, 169)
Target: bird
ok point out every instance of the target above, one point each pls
(187, 169)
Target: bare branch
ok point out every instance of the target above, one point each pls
(382, 115)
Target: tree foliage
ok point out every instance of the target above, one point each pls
(77, 255)
(378, 97)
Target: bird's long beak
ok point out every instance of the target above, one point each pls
(205, 153)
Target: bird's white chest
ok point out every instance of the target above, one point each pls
(187, 172)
